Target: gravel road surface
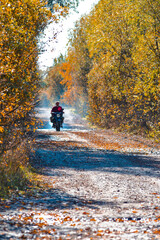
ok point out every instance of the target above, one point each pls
(99, 185)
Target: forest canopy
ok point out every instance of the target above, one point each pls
(113, 64)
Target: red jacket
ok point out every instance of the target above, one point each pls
(57, 109)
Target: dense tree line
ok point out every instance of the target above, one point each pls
(21, 23)
(114, 60)
(54, 89)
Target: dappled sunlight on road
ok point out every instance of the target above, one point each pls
(94, 184)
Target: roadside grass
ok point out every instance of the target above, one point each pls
(16, 174)
(148, 131)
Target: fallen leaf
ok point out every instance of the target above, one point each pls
(156, 231)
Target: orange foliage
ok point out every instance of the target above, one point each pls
(22, 22)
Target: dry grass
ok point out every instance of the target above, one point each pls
(109, 140)
(15, 171)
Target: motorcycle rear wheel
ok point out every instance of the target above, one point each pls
(58, 126)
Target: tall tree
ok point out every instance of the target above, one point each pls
(53, 87)
(115, 57)
(76, 68)
(124, 80)
(20, 24)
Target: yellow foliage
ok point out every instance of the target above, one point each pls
(113, 64)
(21, 22)
(1, 129)
(124, 80)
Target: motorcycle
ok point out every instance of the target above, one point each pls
(57, 120)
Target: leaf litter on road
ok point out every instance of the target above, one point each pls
(93, 186)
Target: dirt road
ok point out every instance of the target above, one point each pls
(100, 185)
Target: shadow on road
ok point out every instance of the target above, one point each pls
(44, 201)
(96, 160)
(50, 159)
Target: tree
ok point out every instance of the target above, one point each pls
(76, 68)
(114, 57)
(54, 88)
(21, 22)
(124, 80)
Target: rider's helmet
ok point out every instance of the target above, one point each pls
(57, 104)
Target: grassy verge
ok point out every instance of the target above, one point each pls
(16, 173)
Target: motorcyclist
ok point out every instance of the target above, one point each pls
(57, 108)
